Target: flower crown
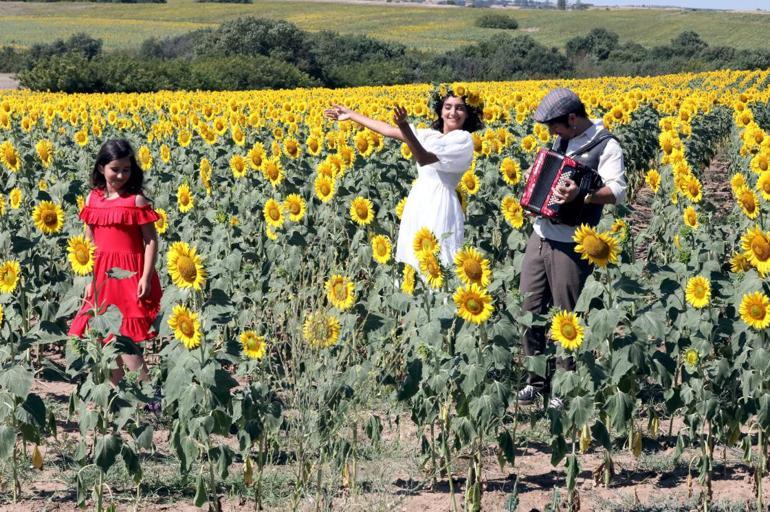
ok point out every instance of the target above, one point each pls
(471, 97)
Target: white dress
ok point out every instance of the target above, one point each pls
(433, 201)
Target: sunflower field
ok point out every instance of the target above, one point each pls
(288, 334)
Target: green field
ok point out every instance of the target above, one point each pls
(427, 28)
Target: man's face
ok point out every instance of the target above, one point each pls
(565, 131)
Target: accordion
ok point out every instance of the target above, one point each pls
(550, 171)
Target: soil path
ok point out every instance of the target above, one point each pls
(7, 81)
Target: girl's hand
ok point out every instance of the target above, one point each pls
(338, 113)
(400, 117)
(143, 288)
(89, 290)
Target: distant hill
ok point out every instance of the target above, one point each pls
(423, 27)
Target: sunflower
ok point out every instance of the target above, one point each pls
(185, 266)
(381, 249)
(361, 211)
(598, 248)
(9, 156)
(652, 178)
(763, 185)
(511, 171)
(161, 225)
(472, 267)
(80, 252)
(256, 155)
(425, 242)
(512, 212)
(186, 326)
(184, 198)
(691, 357)
(756, 246)
(341, 292)
(204, 172)
(239, 166)
(755, 310)
(292, 148)
(760, 162)
(144, 158)
(431, 269)
(253, 345)
(406, 152)
(740, 263)
(324, 188)
(407, 284)
(2, 205)
(81, 137)
(691, 188)
(9, 275)
(165, 153)
(470, 183)
(698, 291)
(48, 217)
(748, 201)
(44, 150)
(400, 208)
(272, 235)
(295, 207)
(273, 213)
(184, 137)
(474, 304)
(737, 181)
(272, 170)
(619, 229)
(566, 330)
(690, 217)
(321, 330)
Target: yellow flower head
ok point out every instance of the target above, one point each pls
(740, 263)
(691, 188)
(756, 246)
(598, 248)
(698, 291)
(80, 252)
(472, 267)
(9, 156)
(253, 345)
(239, 166)
(566, 330)
(690, 217)
(186, 326)
(161, 225)
(512, 212)
(48, 217)
(295, 207)
(400, 207)
(184, 198)
(407, 284)
(431, 269)
(324, 188)
(362, 211)
(273, 213)
(469, 183)
(10, 270)
(737, 181)
(511, 171)
(763, 185)
(185, 266)
(748, 201)
(341, 292)
(381, 249)
(691, 357)
(44, 150)
(144, 158)
(474, 304)
(425, 242)
(755, 310)
(272, 170)
(652, 178)
(321, 330)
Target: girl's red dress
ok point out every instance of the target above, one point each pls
(119, 243)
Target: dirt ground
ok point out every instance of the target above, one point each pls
(8, 82)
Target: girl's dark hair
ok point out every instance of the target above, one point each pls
(116, 149)
(472, 123)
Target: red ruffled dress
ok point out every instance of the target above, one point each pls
(119, 243)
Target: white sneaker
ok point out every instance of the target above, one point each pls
(556, 403)
(527, 395)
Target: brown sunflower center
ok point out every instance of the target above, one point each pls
(472, 269)
(362, 210)
(473, 305)
(761, 248)
(275, 213)
(7, 277)
(596, 247)
(184, 198)
(50, 218)
(325, 189)
(340, 290)
(186, 267)
(294, 208)
(426, 244)
(82, 255)
(186, 326)
(757, 311)
(568, 331)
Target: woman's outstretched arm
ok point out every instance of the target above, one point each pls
(341, 113)
(423, 156)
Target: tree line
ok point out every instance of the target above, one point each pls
(256, 53)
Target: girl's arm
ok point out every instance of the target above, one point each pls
(150, 237)
(423, 156)
(340, 113)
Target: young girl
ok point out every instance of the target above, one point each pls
(120, 221)
(443, 153)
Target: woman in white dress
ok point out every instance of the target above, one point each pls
(443, 153)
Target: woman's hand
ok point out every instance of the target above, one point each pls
(399, 116)
(143, 287)
(338, 113)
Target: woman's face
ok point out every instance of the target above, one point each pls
(454, 113)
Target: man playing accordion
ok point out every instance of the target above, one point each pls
(552, 273)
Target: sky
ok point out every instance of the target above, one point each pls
(701, 4)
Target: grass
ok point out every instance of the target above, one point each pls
(425, 28)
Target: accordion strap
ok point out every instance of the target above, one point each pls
(561, 145)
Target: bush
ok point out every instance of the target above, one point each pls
(239, 72)
(502, 58)
(79, 44)
(11, 59)
(181, 46)
(597, 44)
(495, 20)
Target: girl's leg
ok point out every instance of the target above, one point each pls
(135, 362)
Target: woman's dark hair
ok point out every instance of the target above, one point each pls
(472, 123)
(116, 149)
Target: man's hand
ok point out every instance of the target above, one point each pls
(566, 193)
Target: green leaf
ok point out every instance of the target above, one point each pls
(119, 273)
(200, 491)
(412, 381)
(132, 463)
(7, 441)
(536, 364)
(581, 409)
(619, 408)
(143, 437)
(17, 381)
(507, 447)
(107, 449)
